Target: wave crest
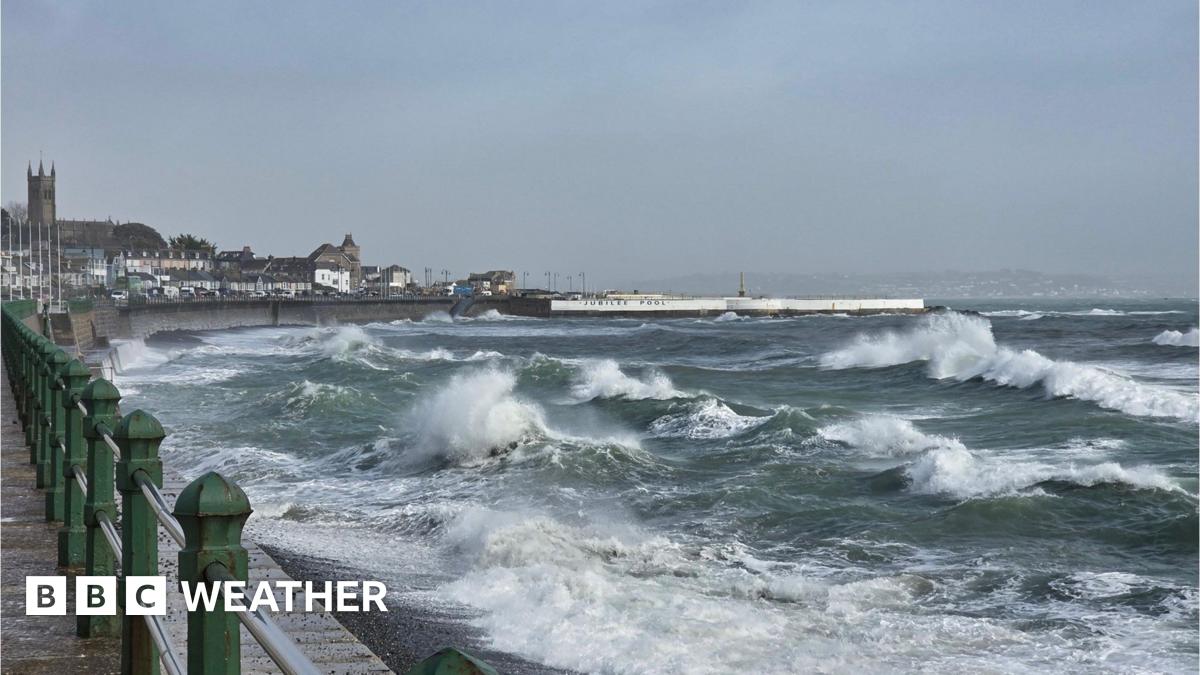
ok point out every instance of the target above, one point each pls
(960, 473)
(604, 379)
(882, 435)
(1174, 338)
(703, 419)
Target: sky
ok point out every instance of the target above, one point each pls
(624, 140)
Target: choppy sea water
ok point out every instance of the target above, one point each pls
(1009, 492)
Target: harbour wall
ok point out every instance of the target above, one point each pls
(141, 321)
(650, 307)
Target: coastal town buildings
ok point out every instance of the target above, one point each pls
(92, 256)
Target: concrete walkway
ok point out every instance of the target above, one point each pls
(28, 546)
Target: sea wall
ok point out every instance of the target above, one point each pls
(140, 321)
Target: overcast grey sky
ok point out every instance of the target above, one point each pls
(625, 140)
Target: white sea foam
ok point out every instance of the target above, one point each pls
(1174, 338)
(1018, 313)
(1099, 585)
(706, 418)
(729, 316)
(962, 347)
(603, 378)
(546, 590)
(474, 415)
(883, 435)
(1095, 311)
(443, 354)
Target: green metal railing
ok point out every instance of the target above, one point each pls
(74, 433)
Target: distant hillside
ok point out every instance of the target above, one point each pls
(945, 284)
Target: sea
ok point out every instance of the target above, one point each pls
(1008, 486)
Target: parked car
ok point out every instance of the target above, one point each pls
(186, 294)
(257, 294)
(284, 292)
(119, 295)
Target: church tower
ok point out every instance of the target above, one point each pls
(41, 194)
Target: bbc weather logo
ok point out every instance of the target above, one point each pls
(147, 595)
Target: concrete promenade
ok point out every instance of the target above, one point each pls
(28, 546)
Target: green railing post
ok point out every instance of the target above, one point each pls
(42, 423)
(212, 511)
(100, 398)
(72, 549)
(138, 435)
(26, 385)
(35, 392)
(55, 498)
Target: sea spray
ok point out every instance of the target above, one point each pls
(962, 347)
(475, 415)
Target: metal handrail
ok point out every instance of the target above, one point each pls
(166, 651)
(79, 477)
(112, 445)
(110, 533)
(159, 506)
(277, 644)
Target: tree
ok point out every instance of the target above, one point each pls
(17, 211)
(137, 235)
(190, 242)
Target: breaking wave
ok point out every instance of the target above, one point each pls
(961, 473)
(474, 416)
(882, 435)
(706, 418)
(603, 378)
(130, 354)
(1174, 338)
(963, 347)
(945, 466)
